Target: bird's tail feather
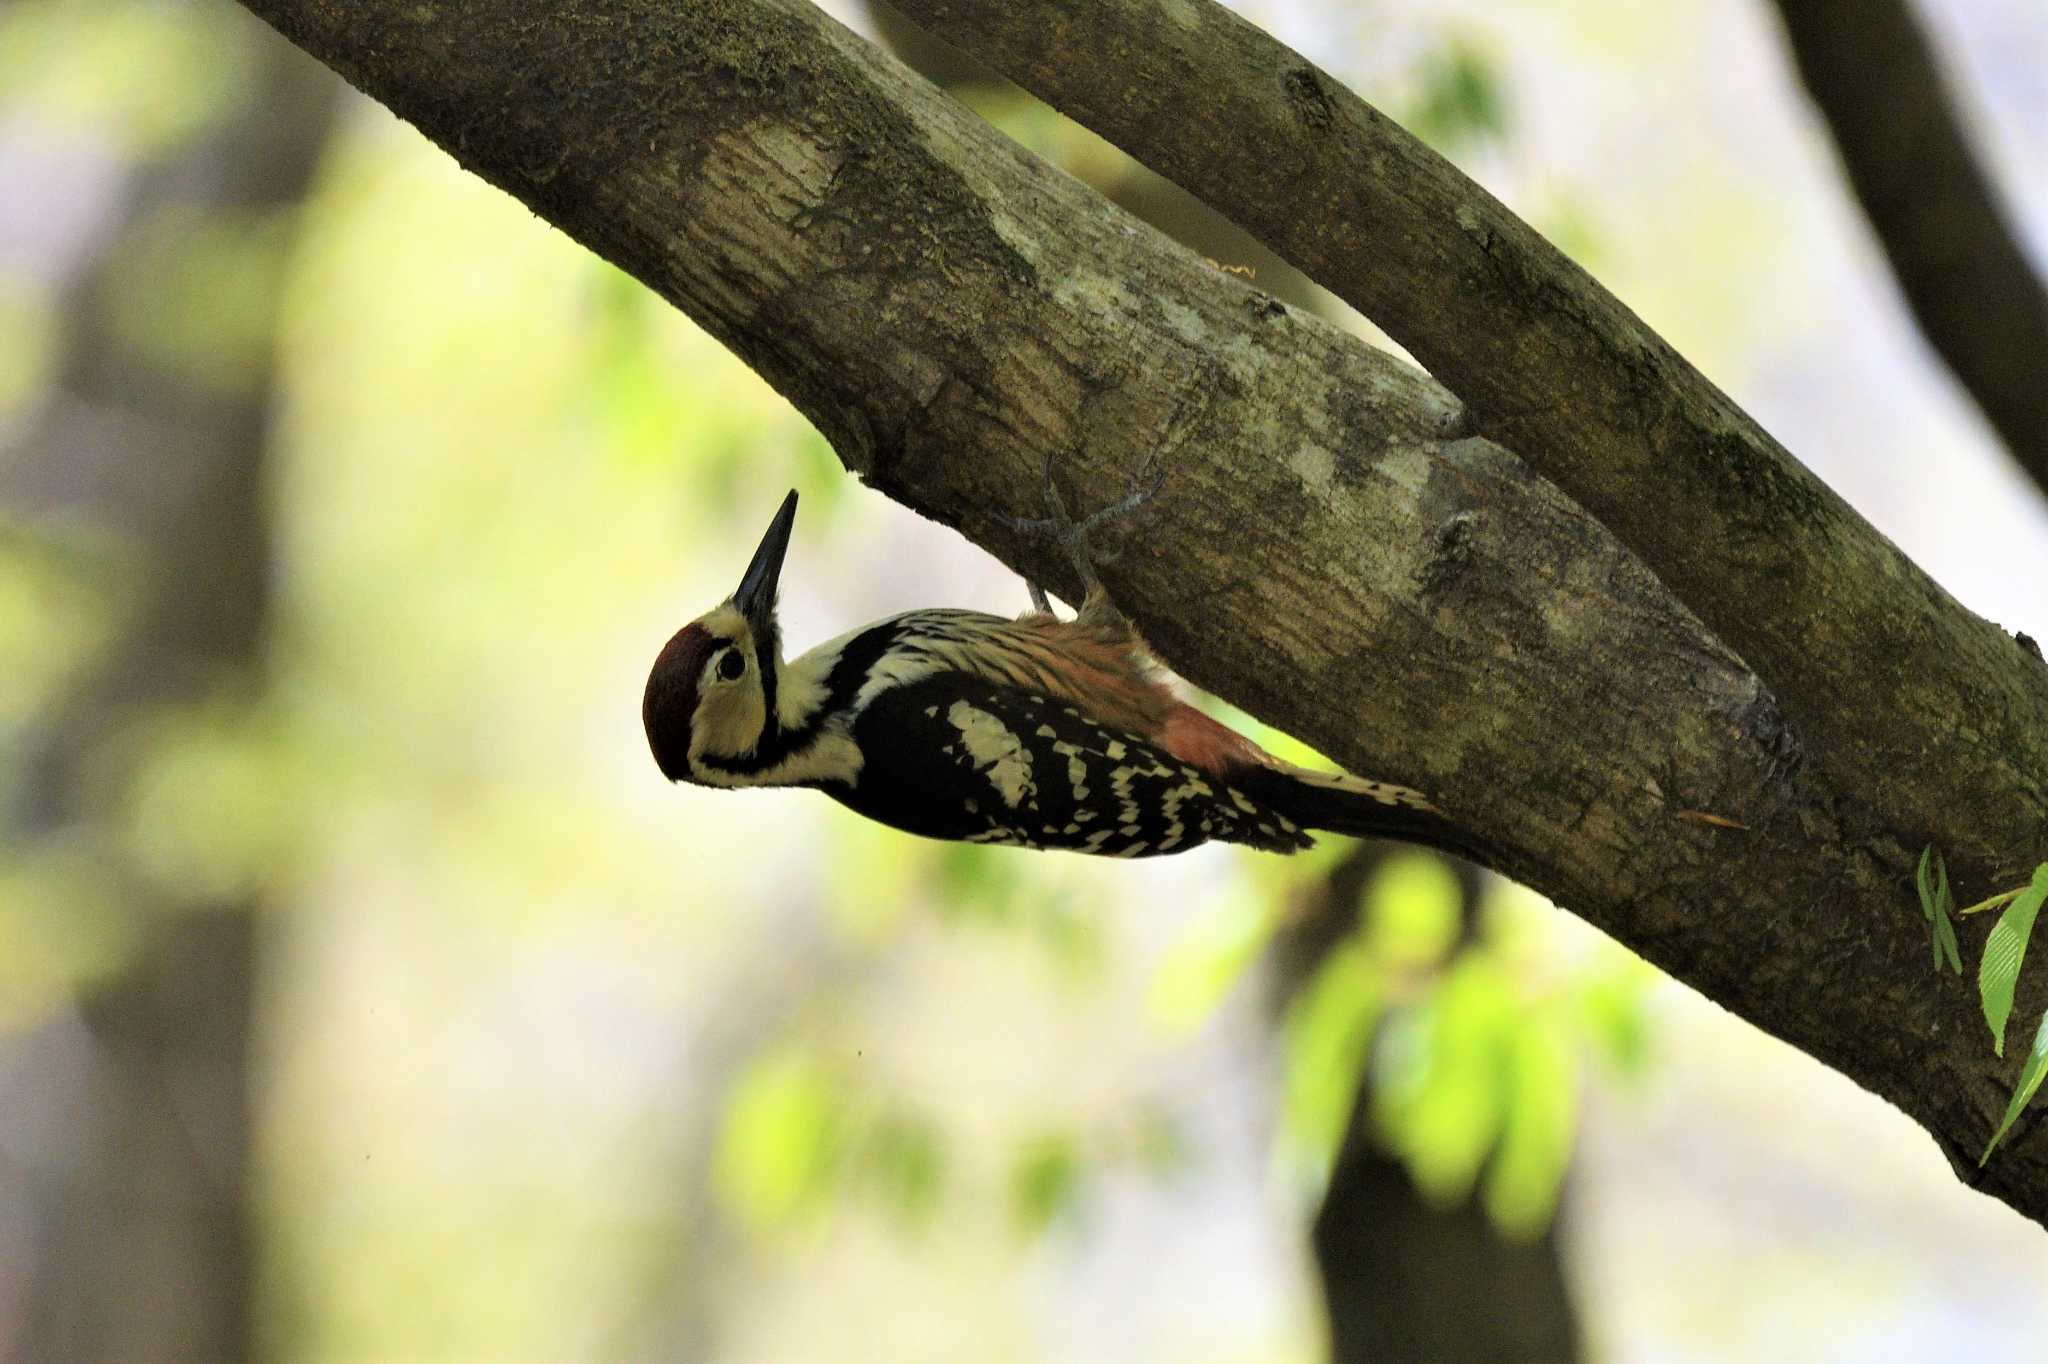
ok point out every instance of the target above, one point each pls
(1343, 804)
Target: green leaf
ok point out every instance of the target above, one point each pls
(1944, 922)
(1329, 1030)
(1613, 1016)
(1460, 101)
(1989, 902)
(1539, 1127)
(904, 1156)
(779, 1140)
(2030, 1074)
(1045, 1182)
(1415, 907)
(1926, 889)
(2004, 951)
(1444, 1094)
(1935, 904)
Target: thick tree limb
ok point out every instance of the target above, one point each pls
(1874, 78)
(1333, 549)
(1889, 683)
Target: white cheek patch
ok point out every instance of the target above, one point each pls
(730, 720)
(997, 752)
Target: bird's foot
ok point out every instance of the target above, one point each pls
(1072, 536)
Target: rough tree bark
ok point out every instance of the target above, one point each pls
(1875, 80)
(1884, 677)
(1337, 548)
(144, 1237)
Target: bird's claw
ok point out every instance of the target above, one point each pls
(1072, 536)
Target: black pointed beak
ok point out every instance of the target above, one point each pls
(756, 597)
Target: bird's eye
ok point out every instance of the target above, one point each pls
(731, 664)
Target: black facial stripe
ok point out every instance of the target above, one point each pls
(848, 674)
(764, 659)
(856, 661)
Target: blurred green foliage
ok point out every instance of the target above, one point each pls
(64, 925)
(974, 883)
(1474, 1057)
(216, 806)
(196, 295)
(149, 75)
(785, 1130)
(1046, 1180)
(62, 918)
(1211, 958)
(805, 1134)
(1327, 1037)
(57, 592)
(1459, 100)
(28, 349)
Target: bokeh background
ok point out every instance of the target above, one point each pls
(365, 994)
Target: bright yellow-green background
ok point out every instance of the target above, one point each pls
(558, 1061)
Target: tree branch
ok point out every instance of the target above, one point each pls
(1889, 683)
(1873, 76)
(1333, 550)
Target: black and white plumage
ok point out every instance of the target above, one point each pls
(1035, 732)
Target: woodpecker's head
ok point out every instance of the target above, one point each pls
(712, 691)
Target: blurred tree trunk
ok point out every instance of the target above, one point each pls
(1404, 1280)
(139, 1200)
(1876, 80)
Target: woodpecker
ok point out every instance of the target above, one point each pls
(1037, 732)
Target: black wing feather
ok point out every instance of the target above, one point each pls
(955, 756)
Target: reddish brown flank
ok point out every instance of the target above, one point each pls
(1200, 741)
(671, 698)
(1101, 665)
